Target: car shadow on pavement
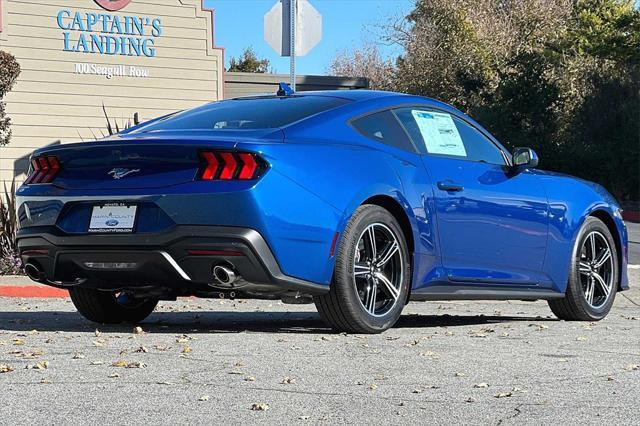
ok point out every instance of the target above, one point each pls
(231, 322)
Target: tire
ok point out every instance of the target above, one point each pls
(103, 306)
(575, 306)
(343, 308)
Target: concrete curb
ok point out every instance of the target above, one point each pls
(21, 286)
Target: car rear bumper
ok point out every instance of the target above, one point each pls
(180, 258)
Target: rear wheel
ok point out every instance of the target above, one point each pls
(109, 307)
(372, 275)
(593, 278)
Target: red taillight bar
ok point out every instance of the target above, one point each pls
(230, 165)
(44, 169)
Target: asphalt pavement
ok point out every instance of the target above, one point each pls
(232, 362)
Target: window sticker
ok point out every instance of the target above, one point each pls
(440, 133)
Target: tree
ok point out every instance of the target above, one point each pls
(560, 76)
(364, 62)
(248, 62)
(9, 71)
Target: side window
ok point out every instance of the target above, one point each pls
(479, 148)
(385, 128)
(442, 134)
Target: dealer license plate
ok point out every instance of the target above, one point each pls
(113, 218)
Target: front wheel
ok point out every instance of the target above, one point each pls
(372, 275)
(593, 278)
(109, 307)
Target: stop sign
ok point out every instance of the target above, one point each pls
(277, 27)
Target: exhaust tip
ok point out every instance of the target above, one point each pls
(224, 275)
(34, 272)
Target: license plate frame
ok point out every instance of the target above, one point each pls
(113, 218)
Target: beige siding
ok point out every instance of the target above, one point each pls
(51, 103)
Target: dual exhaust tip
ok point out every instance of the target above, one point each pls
(34, 272)
(224, 274)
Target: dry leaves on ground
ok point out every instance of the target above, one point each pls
(260, 407)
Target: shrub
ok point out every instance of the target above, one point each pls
(10, 262)
(9, 71)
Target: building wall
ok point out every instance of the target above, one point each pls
(246, 84)
(51, 102)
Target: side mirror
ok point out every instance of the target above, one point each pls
(524, 158)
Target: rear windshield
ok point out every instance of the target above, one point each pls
(248, 113)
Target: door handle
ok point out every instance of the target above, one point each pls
(450, 186)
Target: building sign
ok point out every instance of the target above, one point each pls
(109, 34)
(111, 71)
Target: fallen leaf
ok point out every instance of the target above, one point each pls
(633, 367)
(45, 382)
(136, 364)
(288, 381)
(119, 363)
(539, 327)
(260, 407)
(18, 342)
(78, 356)
(4, 368)
(581, 339)
(204, 398)
(373, 386)
(43, 365)
(459, 374)
(503, 395)
(141, 349)
(250, 379)
(481, 385)
(113, 375)
(187, 350)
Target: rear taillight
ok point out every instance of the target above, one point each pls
(44, 169)
(230, 165)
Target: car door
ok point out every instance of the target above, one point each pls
(492, 223)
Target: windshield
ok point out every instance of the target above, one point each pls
(247, 113)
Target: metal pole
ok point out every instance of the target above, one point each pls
(292, 73)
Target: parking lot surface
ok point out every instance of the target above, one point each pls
(213, 361)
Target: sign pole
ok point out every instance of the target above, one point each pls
(292, 73)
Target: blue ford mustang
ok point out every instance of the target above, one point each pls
(357, 201)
